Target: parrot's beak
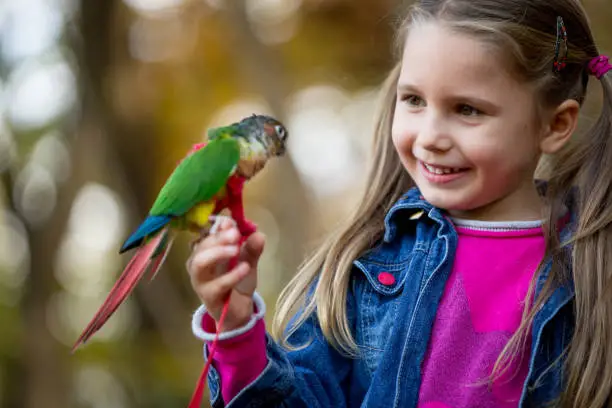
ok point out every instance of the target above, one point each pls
(280, 149)
(280, 144)
(274, 146)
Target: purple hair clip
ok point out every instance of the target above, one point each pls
(560, 58)
(599, 66)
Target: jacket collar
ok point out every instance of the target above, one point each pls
(414, 205)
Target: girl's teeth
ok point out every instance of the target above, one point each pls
(437, 170)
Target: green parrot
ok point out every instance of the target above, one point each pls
(208, 180)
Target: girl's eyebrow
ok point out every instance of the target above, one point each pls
(406, 87)
(487, 105)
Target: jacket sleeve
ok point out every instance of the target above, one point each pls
(315, 375)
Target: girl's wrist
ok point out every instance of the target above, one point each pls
(204, 325)
(241, 312)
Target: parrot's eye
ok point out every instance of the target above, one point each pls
(280, 131)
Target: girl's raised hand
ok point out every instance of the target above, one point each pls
(211, 280)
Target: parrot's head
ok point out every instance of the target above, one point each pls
(265, 134)
(262, 137)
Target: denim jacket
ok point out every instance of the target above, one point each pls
(392, 324)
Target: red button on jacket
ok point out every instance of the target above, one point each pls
(386, 278)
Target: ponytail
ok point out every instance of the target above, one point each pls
(589, 381)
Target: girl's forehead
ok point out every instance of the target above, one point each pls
(435, 54)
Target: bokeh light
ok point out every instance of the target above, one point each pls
(271, 11)
(97, 387)
(86, 266)
(28, 28)
(35, 194)
(274, 21)
(51, 152)
(40, 91)
(155, 7)
(96, 220)
(320, 145)
(68, 315)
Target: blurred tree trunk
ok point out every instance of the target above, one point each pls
(127, 149)
(41, 377)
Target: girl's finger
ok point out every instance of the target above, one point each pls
(224, 237)
(252, 248)
(202, 264)
(220, 223)
(216, 290)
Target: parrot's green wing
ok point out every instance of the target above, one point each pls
(198, 177)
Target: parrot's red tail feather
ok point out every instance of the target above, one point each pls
(159, 260)
(132, 273)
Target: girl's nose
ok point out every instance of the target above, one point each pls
(433, 134)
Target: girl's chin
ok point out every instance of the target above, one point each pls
(446, 200)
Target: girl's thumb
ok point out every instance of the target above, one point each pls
(250, 253)
(253, 248)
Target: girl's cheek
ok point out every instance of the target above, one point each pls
(403, 137)
(397, 142)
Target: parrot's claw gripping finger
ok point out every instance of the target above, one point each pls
(217, 221)
(203, 233)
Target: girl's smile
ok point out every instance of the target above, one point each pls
(441, 174)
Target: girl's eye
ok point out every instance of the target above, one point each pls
(467, 110)
(413, 100)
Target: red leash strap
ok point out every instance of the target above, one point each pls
(198, 393)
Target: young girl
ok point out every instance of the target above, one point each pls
(459, 281)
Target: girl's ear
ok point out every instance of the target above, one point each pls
(560, 127)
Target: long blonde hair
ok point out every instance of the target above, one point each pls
(524, 33)
(331, 263)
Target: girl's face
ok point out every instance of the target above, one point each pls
(465, 129)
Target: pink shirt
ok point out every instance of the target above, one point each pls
(238, 360)
(479, 311)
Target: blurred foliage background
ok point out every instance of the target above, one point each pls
(99, 99)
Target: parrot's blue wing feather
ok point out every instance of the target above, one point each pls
(150, 225)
